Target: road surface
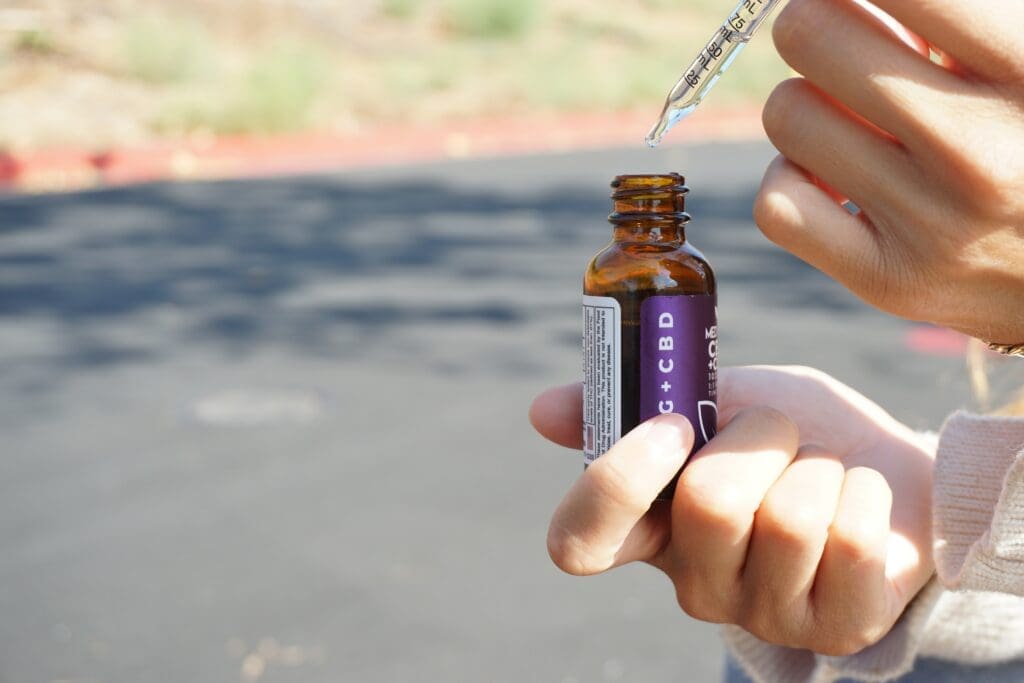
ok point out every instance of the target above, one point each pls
(275, 430)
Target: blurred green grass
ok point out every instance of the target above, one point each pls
(201, 66)
(165, 49)
(276, 93)
(34, 42)
(491, 19)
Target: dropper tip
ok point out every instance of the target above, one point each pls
(656, 134)
(669, 118)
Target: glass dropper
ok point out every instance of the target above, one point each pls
(714, 59)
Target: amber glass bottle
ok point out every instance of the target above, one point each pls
(649, 317)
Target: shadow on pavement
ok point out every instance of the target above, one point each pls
(294, 262)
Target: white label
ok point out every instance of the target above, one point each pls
(602, 375)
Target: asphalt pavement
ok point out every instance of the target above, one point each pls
(275, 430)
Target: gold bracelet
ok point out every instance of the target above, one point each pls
(1008, 349)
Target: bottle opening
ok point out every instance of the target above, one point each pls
(660, 194)
(665, 182)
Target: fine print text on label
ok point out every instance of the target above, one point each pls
(602, 375)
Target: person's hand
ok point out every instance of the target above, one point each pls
(931, 152)
(806, 521)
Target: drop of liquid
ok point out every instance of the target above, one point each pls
(669, 118)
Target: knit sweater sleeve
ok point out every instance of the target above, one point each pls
(979, 504)
(972, 611)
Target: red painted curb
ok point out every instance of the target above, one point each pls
(59, 170)
(936, 341)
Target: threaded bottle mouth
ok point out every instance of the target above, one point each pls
(658, 197)
(626, 187)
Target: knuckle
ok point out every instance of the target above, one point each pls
(870, 479)
(813, 450)
(698, 602)
(854, 544)
(790, 32)
(572, 555)
(774, 217)
(769, 420)
(788, 524)
(834, 637)
(781, 107)
(985, 183)
(989, 177)
(612, 483)
(877, 480)
(868, 475)
(840, 632)
(994, 186)
(712, 504)
(768, 626)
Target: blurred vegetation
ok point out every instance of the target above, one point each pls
(153, 68)
(278, 91)
(491, 19)
(399, 9)
(35, 42)
(275, 94)
(165, 49)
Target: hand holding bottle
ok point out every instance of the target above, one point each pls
(930, 152)
(806, 521)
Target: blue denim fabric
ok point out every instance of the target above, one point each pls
(929, 671)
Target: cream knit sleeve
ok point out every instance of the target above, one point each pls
(979, 504)
(973, 612)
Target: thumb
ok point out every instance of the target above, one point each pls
(603, 521)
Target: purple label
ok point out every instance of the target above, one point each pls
(679, 361)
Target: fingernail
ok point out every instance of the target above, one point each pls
(666, 434)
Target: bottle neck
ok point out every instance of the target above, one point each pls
(660, 229)
(649, 209)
